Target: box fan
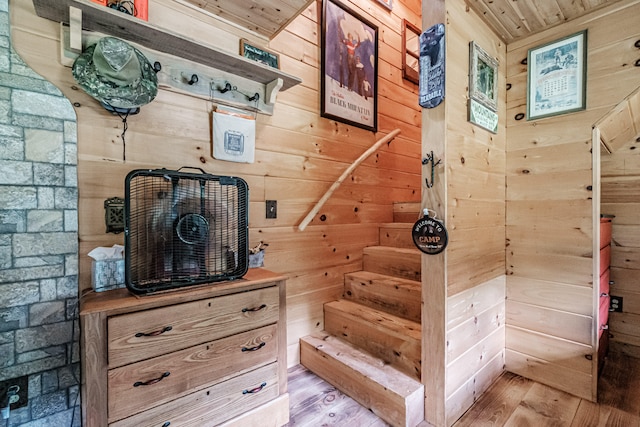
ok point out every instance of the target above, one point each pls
(183, 229)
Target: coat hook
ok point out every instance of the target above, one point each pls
(430, 158)
(194, 79)
(157, 67)
(227, 87)
(255, 97)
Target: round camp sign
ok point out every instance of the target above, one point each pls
(429, 235)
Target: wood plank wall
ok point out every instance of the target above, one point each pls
(550, 290)
(298, 153)
(476, 159)
(467, 338)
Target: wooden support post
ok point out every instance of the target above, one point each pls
(434, 267)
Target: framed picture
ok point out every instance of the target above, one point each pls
(258, 54)
(556, 77)
(483, 77)
(411, 51)
(387, 3)
(349, 67)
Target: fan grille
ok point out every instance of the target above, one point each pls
(183, 229)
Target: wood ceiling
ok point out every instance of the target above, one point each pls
(264, 17)
(620, 129)
(515, 19)
(511, 19)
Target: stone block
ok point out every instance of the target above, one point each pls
(34, 244)
(44, 336)
(12, 318)
(70, 132)
(48, 174)
(13, 197)
(18, 294)
(11, 148)
(49, 404)
(7, 356)
(44, 146)
(46, 313)
(10, 131)
(71, 221)
(66, 198)
(46, 198)
(44, 220)
(31, 273)
(71, 176)
(28, 101)
(38, 122)
(16, 172)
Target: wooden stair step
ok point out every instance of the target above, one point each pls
(397, 262)
(393, 339)
(406, 211)
(393, 396)
(400, 297)
(396, 234)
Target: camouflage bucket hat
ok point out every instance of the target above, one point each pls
(116, 74)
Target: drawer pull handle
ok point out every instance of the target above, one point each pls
(255, 390)
(153, 381)
(244, 310)
(154, 333)
(167, 424)
(258, 347)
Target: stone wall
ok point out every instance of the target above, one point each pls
(38, 241)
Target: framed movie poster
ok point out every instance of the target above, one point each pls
(556, 77)
(349, 71)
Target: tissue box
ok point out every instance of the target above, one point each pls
(256, 260)
(107, 274)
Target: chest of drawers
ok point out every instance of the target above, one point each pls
(207, 356)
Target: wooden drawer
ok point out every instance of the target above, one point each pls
(214, 405)
(180, 326)
(176, 374)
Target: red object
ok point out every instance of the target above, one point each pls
(605, 258)
(604, 314)
(142, 9)
(605, 232)
(604, 282)
(101, 2)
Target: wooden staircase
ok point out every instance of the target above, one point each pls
(370, 348)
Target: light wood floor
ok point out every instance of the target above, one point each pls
(512, 401)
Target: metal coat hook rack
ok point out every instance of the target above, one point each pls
(430, 158)
(228, 87)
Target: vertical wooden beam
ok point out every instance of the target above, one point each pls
(434, 271)
(596, 139)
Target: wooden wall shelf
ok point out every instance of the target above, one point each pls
(109, 21)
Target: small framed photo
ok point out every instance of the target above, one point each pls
(258, 54)
(386, 3)
(556, 77)
(483, 77)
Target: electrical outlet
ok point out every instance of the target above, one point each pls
(16, 390)
(615, 304)
(272, 208)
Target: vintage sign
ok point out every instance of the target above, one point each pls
(430, 235)
(482, 116)
(432, 66)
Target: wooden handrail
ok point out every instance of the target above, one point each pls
(346, 173)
